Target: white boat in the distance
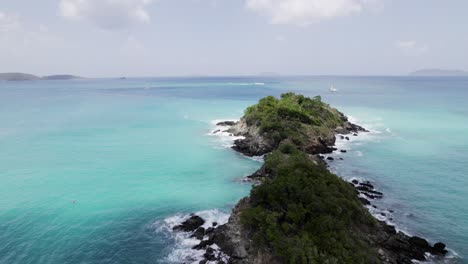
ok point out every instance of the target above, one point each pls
(333, 89)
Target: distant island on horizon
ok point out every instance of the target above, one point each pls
(439, 72)
(18, 76)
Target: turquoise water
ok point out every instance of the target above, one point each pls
(90, 170)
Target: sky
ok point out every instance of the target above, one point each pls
(111, 38)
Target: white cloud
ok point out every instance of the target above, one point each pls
(405, 44)
(304, 12)
(29, 44)
(8, 22)
(108, 14)
(411, 46)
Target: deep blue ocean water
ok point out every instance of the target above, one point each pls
(93, 171)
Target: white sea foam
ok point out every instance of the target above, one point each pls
(260, 159)
(182, 251)
(351, 145)
(247, 84)
(225, 139)
(374, 126)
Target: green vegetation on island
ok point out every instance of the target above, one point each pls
(308, 123)
(293, 116)
(306, 214)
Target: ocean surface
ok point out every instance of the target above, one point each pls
(99, 170)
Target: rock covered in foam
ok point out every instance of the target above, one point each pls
(190, 224)
(226, 123)
(199, 233)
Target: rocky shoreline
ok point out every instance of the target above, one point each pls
(232, 243)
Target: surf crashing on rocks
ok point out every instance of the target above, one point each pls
(182, 250)
(225, 139)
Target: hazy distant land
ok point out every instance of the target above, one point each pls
(17, 76)
(439, 72)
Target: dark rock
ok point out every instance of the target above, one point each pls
(215, 223)
(347, 138)
(439, 249)
(397, 242)
(203, 261)
(355, 182)
(389, 229)
(369, 192)
(210, 233)
(343, 151)
(355, 134)
(407, 247)
(354, 128)
(365, 188)
(330, 158)
(260, 174)
(203, 244)
(341, 159)
(216, 131)
(404, 260)
(364, 201)
(419, 243)
(417, 254)
(320, 146)
(250, 146)
(231, 237)
(199, 233)
(239, 252)
(341, 137)
(371, 196)
(209, 255)
(190, 224)
(226, 123)
(404, 248)
(367, 184)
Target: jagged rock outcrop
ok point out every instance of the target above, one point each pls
(190, 224)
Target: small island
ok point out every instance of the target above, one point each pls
(298, 211)
(18, 76)
(61, 77)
